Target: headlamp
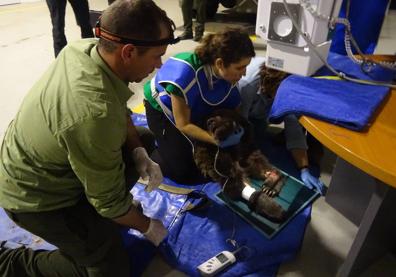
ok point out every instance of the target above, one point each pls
(100, 32)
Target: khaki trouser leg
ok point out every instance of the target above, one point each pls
(88, 245)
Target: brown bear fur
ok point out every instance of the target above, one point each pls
(233, 166)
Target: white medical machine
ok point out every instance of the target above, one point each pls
(291, 28)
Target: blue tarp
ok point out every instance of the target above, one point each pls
(195, 236)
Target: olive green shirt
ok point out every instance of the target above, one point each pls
(65, 142)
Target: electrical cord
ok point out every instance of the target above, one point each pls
(208, 71)
(233, 241)
(365, 62)
(155, 96)
(243, 247)
(215, 164)
(192, 145)
(365, 59)
(324, 61)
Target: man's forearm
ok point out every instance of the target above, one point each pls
(134, 219)
(133, 139)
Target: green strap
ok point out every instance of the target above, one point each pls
(205, 202)
(169, 188)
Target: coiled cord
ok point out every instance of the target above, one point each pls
(324, 61)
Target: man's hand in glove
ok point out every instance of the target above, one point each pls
(312, 182)
(156, 232)
(147, 168)
(232, 139)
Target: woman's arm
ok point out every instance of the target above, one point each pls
(182, 113)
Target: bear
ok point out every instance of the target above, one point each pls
(233, 166)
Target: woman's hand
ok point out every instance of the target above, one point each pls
(181, 114)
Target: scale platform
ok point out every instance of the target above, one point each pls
(293, 198)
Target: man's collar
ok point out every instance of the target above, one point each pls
(121, 88)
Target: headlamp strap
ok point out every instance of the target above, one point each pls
(107, 35)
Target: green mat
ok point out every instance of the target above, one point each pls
(293, 198)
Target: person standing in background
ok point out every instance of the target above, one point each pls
(57, 10)
(187, 10)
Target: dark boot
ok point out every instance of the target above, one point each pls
(187, 34)
(186, 7)
(199, 32)
(201, 19)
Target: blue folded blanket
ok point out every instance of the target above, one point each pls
(342, 103)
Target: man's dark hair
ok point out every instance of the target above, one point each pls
(231, 45)
(135, 19)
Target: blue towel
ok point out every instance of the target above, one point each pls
(342, 103)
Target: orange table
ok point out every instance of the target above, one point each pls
(373, 151)
(363, 185)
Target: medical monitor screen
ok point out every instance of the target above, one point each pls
(222, 258)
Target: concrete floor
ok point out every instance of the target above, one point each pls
(26, 51)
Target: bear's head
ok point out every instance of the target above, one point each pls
(221, 127)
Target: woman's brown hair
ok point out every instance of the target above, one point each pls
(231, 45)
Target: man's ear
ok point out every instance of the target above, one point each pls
(219, 63)
(128, 51)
